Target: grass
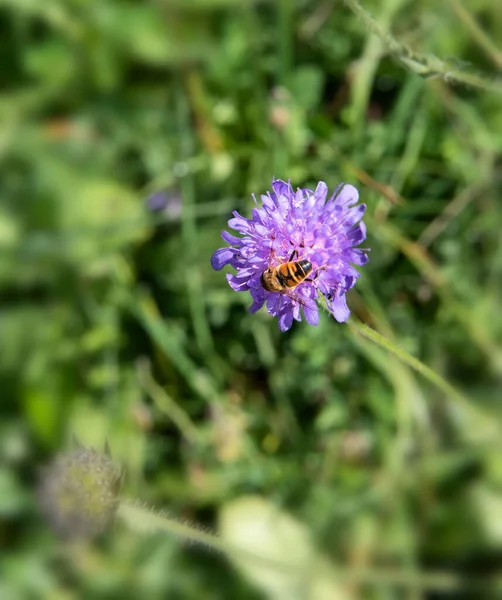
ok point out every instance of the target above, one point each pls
(113, 325)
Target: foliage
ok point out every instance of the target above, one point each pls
(129, 132)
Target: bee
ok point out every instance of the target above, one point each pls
(286, 276)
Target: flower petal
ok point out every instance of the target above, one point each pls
(231, 239)
(237, 284)
(285, 320)
(357, 235)
(259, 296)
(339, 309)
(273, 303)
(222, 257)
(297, 314)
(321, 192)
(255, 307)
(347, 196)
(281, 188)
(268, 203)
(311, 315)
(351, 216)
(239, 223)
(357, 256)
(255, 281)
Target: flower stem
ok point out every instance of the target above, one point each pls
(138, 517)
(451, 392)
(143, 520)
(406, 358)
(425, 66)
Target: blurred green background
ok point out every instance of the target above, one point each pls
(129, 132)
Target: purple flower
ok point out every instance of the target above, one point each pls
(166, 201)
(294, 226)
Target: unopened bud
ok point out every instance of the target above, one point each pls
(78, 492)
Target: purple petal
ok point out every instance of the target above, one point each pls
(305, 298)
(283, 204)
(299, 198)
(255, 281)
(237, 284)
(297, 315)
(357, 235)
(351, 216)
(239, 223)
(310, 203)
(311, 315)
(259, 215)
(324, 283)
(231, 239)
(349, 271)
(347, 196)
(281, 188)
(261, 230)
(285, 320)
(339, 309)
(357, 256)
(259, 297)
(321, 192)
(257, 304)
(273, 303)
(267, 201)
(349, 283)
(222, 257)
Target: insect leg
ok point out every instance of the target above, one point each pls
(316, 274)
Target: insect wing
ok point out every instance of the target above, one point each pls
(305, 302)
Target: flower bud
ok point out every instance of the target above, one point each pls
(78, 492)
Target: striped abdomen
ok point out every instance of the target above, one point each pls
(285, 276)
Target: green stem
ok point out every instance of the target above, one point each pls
(189, 232)
(406, 358)
(403, 356)
(469, 409)
(143, 520)
(477, 33)
(425, 66)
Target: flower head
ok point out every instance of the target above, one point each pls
(295, 226)
(78, 492)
